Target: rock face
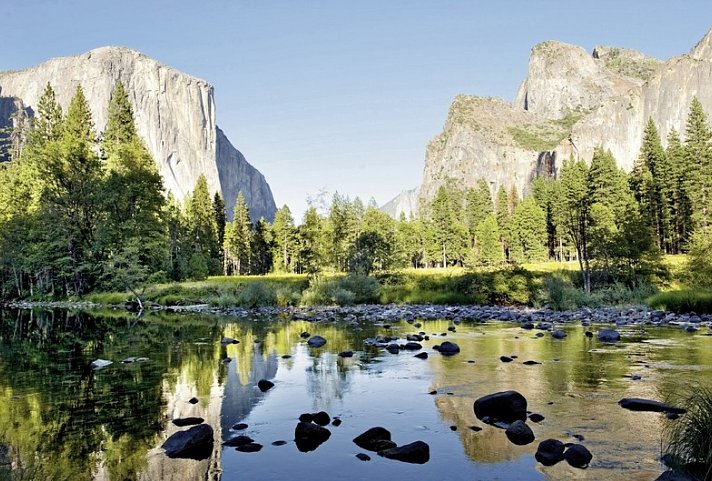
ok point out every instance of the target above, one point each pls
(175, 116)
(570, 103)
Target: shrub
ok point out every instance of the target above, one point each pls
(287, 296)
(559, 293)
(342, 291)
(689, 438)
(256, 294)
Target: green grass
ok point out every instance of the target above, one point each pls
(686, 300)
(689, 438)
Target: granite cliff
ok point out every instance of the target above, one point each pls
(175, 115)
(570, 103)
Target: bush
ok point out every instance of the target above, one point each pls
(558, 292)
(689, 438)
(287, 296)
(688, 300)
(256, 294)
(342, 291)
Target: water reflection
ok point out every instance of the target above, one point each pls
(63, 420)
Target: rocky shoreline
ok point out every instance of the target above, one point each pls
(373, 313)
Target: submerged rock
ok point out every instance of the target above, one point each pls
(181, 422)
(447, 348)
(100, 364)
(238, 440)
(609, 335)
(194, 443)
(417, 453)
(638, 404)
(316, 341)
(507, 406)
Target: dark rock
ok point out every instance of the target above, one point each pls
(306, 417)
(505, 359)
(286, 356)
(304, 335)
(417, 453)
(528, 325)
(386, 326)
(421, 355)
(637, 404)
(451, 329)
(672, 416)
(453, 428)
(193, 400)
(336, 422)
(228, 340)
(249, 448)
(539, 334)
(588, 334)
(193, 443)
(507, 406)
(433, 392)
(519, 433)
(414, 338)
(608, 335)
(673, 476)
(238, 440)
(363, 457)
(476, 428)
(239, 426)
(322, 418)
(578, 456)
(550, 452)
(412, 346)
(530, 363)
(316, 341)
(346, 354)
(578, 437)
(265, 385)
(448, 348)
(393, 348)
(558, 334)
(309, 436)
(181, 422)
(536, 418)
(373, 439)
(279, 443)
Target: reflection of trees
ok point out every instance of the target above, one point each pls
(60, 414)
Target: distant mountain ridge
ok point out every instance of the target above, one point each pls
(570, 103)
(175, 115)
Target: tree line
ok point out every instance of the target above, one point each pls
(81, 211)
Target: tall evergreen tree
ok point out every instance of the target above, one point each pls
(201, 231)
(489, 247)
(238, 239)
(283, 240)
(309, 241)
(261, 248)
(220, 221)
(449, 230)
(530, 227)
(698, 153)
(676, 193)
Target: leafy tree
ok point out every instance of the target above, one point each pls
(699, 263)
(573, 213)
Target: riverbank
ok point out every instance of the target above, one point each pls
(374, 313)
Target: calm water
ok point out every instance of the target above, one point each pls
(62, 421)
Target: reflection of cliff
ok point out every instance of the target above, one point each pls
(241, 394)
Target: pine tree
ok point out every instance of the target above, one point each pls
(78, 124)
(489, 247)
(530, 226)
(238, 239)
(478, 205)
(646, 183)
(284, 244)
(47, 122)
(309, 235)
(699, 163)
(676, 193)
(120, 125)
(201, 231)
(448, 228)
(504, 220)
(261, 248)
(220, 220)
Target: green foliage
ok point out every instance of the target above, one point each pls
(238, 239)
(699, 264)
(637, 67)
(688, 438)
(346, 290)
(256, 294)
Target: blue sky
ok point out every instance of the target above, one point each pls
(343, 95)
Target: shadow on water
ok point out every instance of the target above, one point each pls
(63, 420)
